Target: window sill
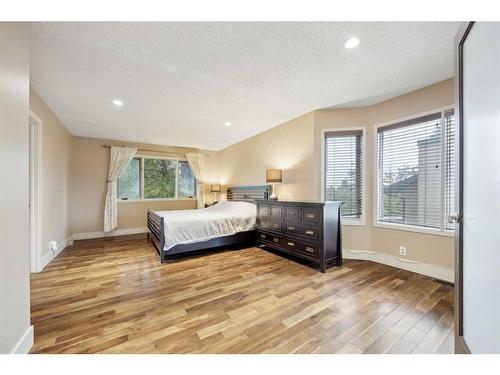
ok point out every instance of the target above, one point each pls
(155, 200)
(415, 229)
(353, 222)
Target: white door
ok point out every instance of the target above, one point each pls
(480, 178)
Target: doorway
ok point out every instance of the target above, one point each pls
(35, 132)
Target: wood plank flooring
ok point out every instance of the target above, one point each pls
(113, 296)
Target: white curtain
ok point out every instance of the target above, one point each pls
(120, 157)
(196, 163)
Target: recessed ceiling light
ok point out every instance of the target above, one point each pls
(351, 43)
(227, 123)
(117, 102)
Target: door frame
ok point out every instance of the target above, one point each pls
(461, 346)
(35, 167)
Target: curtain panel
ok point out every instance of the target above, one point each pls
(120, 157)
(197, 165)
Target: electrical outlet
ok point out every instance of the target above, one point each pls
(53, 245)
(402, 250)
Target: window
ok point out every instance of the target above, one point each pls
(156, 178)
(159, 178)
(129, 184)
(343, 171)
(187, 182)
(416, 171)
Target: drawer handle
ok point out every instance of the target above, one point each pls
(310, 216)
(276, 239)
(262, 236)
(291, 228)
(309, 232)
(309, 249)
(291, 244)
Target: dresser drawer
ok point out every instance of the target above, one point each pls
(276, 212)
(294, 245)
(309, 231)
(292, 213)
(264, 210)
(310, 215)
(269, 238)
(269, 224)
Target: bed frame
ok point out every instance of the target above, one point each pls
(156, 226)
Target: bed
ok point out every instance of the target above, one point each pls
(231, 222)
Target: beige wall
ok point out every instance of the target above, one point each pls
(14, 187)
(55, 176)
(296, 148)
(90, 167)
(288, 147)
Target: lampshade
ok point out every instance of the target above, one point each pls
(273, 175)
(215, 188)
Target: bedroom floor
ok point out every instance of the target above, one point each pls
(113, 296)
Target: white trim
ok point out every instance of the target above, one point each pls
(53, 253)
(149, 156)
(427, 269)
(25, 343)
(135, 200)
(353, 222)
(35, 188)
(415, 229)
(405, 227)
(414, 116)
(362, 220)
(101, 234)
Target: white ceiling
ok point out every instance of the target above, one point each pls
(181, 81)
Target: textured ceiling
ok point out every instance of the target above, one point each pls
(181, 81)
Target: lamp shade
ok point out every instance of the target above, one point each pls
(215, 188)
(274, 175)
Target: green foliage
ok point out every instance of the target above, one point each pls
(393, 205)
(159, 178)
(129, 181)
(348, 193)
(394, 202)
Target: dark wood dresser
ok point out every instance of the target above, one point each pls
(308, 230)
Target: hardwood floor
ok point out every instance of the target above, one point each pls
(113, 296)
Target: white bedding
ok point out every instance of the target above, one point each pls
(222, 219)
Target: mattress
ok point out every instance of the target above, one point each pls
(222, 219)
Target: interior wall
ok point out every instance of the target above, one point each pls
(296, 148)
(55, 176)
(288, 147)
(16, 334)
(90, 163)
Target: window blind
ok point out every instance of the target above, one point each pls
(342, 171)
(449, 154)
(416, 171)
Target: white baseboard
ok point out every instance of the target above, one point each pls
(432, 270)
(25, 342)
(47, 258)
(116, 232)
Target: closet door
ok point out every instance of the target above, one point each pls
(478, 231)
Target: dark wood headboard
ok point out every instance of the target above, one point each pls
(248, 193)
